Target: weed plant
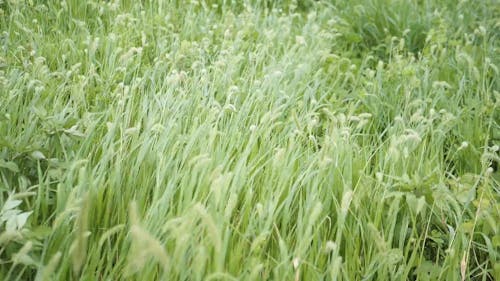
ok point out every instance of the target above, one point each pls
(249, 140)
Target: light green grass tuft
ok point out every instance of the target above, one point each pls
(249, 140)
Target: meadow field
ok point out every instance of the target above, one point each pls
(249, 140)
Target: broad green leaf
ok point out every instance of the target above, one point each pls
(468, 226)
(415, 204)
(22, 218)
(496, 241)
(74, 131)
(465, 188)
(11, 224)
(38, 155)
(428, 271)
(497, 271)
(10, 204)
(6, 215)
(9, 165)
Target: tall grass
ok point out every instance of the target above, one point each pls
(249, 140)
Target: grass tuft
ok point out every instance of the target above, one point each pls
(249, 140)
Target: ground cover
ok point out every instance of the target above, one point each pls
(249, 140)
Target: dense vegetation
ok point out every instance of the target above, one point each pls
(249, 140)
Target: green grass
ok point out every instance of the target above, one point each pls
(249, 140)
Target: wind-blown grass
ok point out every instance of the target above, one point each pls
(249, 140)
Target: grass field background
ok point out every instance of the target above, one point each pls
(249, 140)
